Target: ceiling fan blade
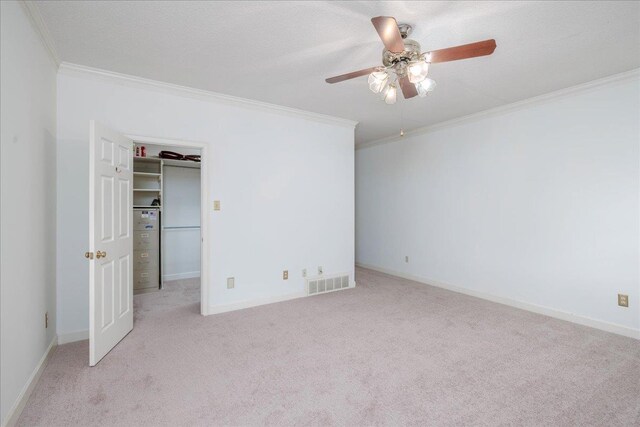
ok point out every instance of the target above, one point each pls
(388, 30)
(465, 51)
(351, 75)
(408, 89)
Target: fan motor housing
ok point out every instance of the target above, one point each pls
(411, 52)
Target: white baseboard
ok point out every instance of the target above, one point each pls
(68, 337)
(23, 397)
(547, 311)
(223, 308)
(180, 276)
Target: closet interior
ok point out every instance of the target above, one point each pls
(166, 216)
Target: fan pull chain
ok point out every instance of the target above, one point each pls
(401, 120)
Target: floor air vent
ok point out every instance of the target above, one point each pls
(324, 284)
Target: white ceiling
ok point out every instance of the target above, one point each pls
(281, 52)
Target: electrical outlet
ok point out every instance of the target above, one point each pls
(319, 269)
(216, 205)
(304, 272)
(231, 282)
(46, 320)
(406, 258)
(285, 274)
(623, 300)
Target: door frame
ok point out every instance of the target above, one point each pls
(205, 218)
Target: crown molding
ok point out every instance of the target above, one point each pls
(32, 11)
(129, 80)
(503, 109)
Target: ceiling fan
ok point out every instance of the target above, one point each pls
(403, 63)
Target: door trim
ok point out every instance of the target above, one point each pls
(205, 218)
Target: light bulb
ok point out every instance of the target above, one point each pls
(377, 80)
(425, 86)
(417, 71)
(389, 94)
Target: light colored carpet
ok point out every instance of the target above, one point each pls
(390, 352)
(175, 294)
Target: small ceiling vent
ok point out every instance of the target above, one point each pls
(324, 284)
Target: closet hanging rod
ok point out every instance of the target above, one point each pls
(184, 227)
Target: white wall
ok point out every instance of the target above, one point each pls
(537, 204)
(28, 208)
(181, 222)
(285, 182)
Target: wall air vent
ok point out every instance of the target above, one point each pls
(323, 284)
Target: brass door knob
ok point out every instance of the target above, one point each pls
(102, 254)
(88, 255)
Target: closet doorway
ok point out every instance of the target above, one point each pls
(169, 195)
(166, 227)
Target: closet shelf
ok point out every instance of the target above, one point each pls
(157, 190)
(181, 163)
(147, 159)
(145, 207)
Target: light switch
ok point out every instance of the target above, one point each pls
(231, 282)
(216, 205)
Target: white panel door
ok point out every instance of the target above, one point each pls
(111, 240)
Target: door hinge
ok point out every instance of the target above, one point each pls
(88, 255)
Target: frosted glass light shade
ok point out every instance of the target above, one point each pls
(389, 94)
(377, 80)
(425, 86)
(417, 71)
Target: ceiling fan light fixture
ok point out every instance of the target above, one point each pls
(389, 93)
(404, 65)
(425, 86)
(377, 81)
(417, 71)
